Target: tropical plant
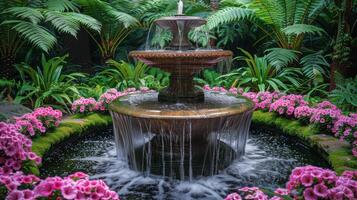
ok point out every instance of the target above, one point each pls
(48, 85)
(122, 75)
(117, 23)
(261, 75)
(35, 23)
(284, 21)
(156, 79)
(7, 89)
(345, 94)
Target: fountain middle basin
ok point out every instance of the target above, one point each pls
(182, 133)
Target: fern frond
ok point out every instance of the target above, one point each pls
(314, 65)
(32, 14)
(298, 29)
(228, 15)
(61, 5)
(280, 57)
(38, 35)
(270, 11)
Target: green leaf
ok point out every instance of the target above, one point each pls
(297, 29)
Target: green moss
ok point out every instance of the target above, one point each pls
(74, 125)
(339, 156)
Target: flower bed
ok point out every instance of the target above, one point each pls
(325, 114)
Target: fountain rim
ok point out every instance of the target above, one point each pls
(201, 53)
(199, 114)
(194, 21)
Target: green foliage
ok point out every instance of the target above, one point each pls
(280, 57)
(47, 85)
(7, 88)
(315, 66)
(212, 78)
(156, 79)
(117, 23)
(345, 94)
(32, 23)
(261, 75)
(284, 21)
(124, 75)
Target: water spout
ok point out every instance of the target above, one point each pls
(180, 8)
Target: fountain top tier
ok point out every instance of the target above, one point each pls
(181, 59)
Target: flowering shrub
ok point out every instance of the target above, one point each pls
(325, 117)
(345, 128)
(86, 105)
(326, 105)
(309, 183)
(75, 186)
(325, 114)
(48, 116)
(38, 121)
(265, 99)
(286, 104)
(14, 148)
(303, 113)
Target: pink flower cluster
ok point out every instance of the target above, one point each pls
(39, 121)
(263, 100)
(309, 183)
(304, 113)
(325, 117)
(314, 182)
(75, 186)
(286, 104)
(112, 94)
(326, 105)
(84, 105)
(345, 127)
(233, 90)
(14, 148)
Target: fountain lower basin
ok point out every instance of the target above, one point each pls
(182, 132)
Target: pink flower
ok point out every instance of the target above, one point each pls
(15, 195)
(307, 180)
(68, 192)
(281, 191)
(44, 189)
(309, 194)
(320, 190)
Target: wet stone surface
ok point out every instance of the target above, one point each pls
(269, 158)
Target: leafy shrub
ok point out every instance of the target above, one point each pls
(48, 85)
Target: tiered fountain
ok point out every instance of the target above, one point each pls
(181, 131)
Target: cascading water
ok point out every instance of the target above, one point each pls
(180, 132)
(180, 140)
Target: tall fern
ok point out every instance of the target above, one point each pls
(285, 21)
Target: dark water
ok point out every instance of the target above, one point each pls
(268, 161)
